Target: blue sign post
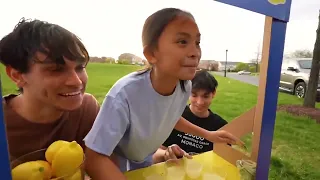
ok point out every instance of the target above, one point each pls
(5, 169)
(278, 9)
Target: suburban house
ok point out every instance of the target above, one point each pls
(210, 65)
(137, 60)
(131, 58)
(230, 65)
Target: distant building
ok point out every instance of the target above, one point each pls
(137, 60)
(230, 65)
(251, 64)
(131, 59)
(210, 65)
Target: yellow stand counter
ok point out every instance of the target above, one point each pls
(212, 163)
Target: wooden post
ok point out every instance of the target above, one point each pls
(261, 89)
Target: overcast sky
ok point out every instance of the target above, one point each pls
(112, 27)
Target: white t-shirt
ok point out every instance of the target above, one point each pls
(135, 120)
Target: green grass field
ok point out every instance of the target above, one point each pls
(296, 145)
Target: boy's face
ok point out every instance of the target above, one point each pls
(200, 100)
(51, 85)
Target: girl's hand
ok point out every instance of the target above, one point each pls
(174, 152)
(222, 136)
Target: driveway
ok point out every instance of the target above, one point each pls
(254, 80)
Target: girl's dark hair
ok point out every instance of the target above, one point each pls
(153, 28)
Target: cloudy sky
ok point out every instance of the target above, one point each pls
(111, 27)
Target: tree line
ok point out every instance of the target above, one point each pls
(124, 58)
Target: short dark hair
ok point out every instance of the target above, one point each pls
(203, 80)
(17, 49)
(155, 25)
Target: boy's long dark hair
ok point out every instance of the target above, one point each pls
(18, 48)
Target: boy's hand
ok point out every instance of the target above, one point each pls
(222, 136)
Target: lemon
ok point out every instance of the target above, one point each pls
(38, 175)
(67, 159)
(47, 168)
(53, 148)
(76, 176)
(277, 2)
(32, 170)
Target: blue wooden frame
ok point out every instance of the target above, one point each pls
(280, 13)
(278, 30)
(5, 169)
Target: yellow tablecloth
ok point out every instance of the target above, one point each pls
(209, 160)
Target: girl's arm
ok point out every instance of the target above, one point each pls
(172, 152)
(101, 167)
(107, 131)
(219, 136)
(158, 156)
(187, 127)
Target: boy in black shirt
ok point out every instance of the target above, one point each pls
(204, 87)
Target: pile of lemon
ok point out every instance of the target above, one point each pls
(62, 159)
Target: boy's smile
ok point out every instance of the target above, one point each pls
(200, 101)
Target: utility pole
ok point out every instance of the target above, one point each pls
(225, 66)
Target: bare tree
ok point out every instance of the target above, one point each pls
(302, 54)
(310, 98)
(256, 61)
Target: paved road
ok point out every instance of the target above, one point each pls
(254, 80)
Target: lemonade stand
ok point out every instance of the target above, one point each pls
(224, 162)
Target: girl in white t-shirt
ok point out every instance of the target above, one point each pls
(142, 108)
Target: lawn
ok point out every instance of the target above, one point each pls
(296, 145)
